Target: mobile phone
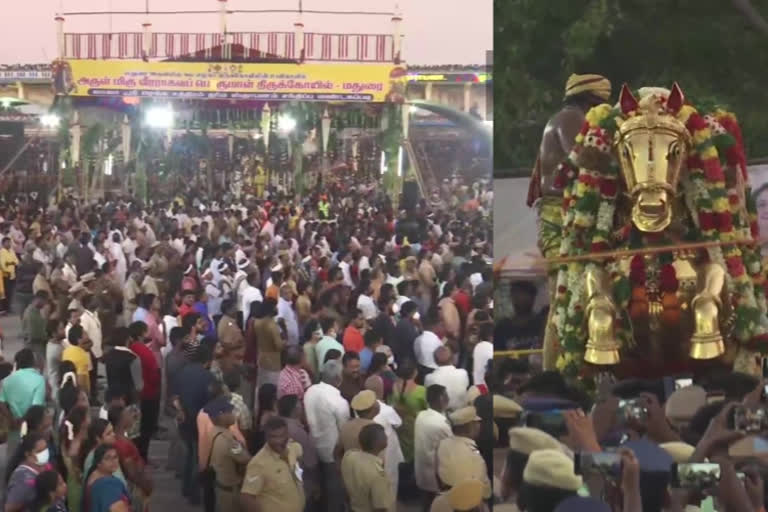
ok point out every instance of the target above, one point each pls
(715, 397)
(748, 419)
(552, 422)
(695, 475)
(632, 409)
(605, 463)
(683, 383)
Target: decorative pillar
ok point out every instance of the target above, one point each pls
(355, 152)
(75, 129)
(126, 129)
(147, 40)
(325, 125)
(406, 117)
(266, 119)
(467, 96)
(20, 90)
(397, 39)
(428, 91)
(226, 50)
(298, 34)
(60, 35)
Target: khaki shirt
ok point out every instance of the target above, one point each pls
(443, 504)
(130, 294)
(270, 344)
(229, 333)
(459, 459)
(228, 457)
(150, 286)
(349, 433)
(366, 482)
(276, 481)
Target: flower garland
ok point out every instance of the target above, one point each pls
(717, 199)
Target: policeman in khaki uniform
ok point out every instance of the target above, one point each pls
(228, 456)
(466, 496)
(367, 485)
(458, 458)
(366, 408)
(274, 479)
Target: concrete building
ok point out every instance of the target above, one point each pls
(462, 87)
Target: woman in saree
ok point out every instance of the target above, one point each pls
(104, 492)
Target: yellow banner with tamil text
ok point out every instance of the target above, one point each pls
(230, 80)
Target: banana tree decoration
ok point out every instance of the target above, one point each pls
(75, 142)
(126, 135)
(266, 120)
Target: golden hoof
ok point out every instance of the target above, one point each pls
(601, 356)
(707, 346)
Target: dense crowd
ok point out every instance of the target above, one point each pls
(328, 353)
(681, 443)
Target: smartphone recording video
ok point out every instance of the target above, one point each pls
(633, 409)
(695, 475)
(748, 419)
(552, 422)
(683, 383)
(604, 463)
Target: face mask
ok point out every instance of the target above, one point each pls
(43, 457)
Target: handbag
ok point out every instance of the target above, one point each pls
(207, 476)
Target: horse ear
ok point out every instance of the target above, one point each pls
(676, 99)
(627, 100)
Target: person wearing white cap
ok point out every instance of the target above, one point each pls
(251, 293)
(458, 457)
(240, 281)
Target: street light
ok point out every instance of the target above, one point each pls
(108, 165)
(286, 124)
(50, 120)
(159, 117)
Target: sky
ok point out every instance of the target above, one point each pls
(436, 31)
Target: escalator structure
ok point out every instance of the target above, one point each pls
(420, 167)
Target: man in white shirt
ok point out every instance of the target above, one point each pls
(455, 380)
(286, 312)
(129, 246)
(430, 428)
(364, 262)
(365, 301)
(251, 293)
(393, 455)
(326, 412)
(344, 264)
(424, 347)
(482, 353)
(241, 278)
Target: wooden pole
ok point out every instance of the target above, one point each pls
(623, 253)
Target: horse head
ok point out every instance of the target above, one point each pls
(652, 144)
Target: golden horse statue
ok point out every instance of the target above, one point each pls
(658, 271)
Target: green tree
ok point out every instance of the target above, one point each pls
(715, 50)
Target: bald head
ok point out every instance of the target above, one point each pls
(443, 356)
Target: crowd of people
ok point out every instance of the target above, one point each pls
(675, 444)
(329, 353)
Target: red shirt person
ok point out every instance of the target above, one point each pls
(150, 393)
(353, 336)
